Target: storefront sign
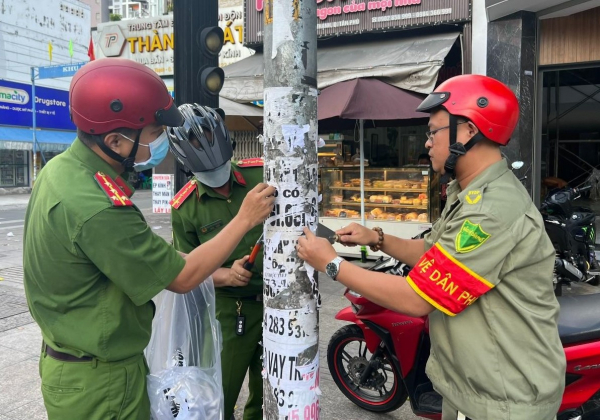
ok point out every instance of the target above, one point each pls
(231, 20)
(162, 193)
(61, 70)
(335, 17)
(148, 41)
(51, 105)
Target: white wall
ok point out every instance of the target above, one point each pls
(479, 54)
(26, 28)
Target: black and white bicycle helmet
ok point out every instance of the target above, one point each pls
(203, 144)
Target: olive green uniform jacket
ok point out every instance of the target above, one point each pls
(91, 267)
(198, 215)
(495, 349)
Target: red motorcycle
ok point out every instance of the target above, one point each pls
(379, 362)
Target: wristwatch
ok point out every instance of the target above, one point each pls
(333, 268)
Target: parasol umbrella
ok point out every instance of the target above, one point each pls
(367, 99)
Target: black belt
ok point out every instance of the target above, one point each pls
(64, 357)
(257, 298)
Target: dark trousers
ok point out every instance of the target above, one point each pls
(241, 354)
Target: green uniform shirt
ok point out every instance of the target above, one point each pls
(91, 269)
(495, 349)
(204, 213)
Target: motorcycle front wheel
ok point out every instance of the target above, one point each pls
(347, 358)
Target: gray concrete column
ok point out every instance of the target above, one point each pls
(511, 58)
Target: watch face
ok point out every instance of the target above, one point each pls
(331, 270)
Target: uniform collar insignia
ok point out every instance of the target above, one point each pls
(239, 178)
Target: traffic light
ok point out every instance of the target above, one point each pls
(198, 41)
(211, 78)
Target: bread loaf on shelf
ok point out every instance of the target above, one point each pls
(376, 211)
(411, 216)
(333, 212)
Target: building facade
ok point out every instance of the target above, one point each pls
(129, 9)
(99, 11)
(548, 53)
(37, 34)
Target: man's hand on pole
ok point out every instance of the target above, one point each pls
(317, 252)
(257, 205)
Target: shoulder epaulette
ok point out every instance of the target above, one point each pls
(112, 190)
(250, 163)
(124, 187)
(183, 194)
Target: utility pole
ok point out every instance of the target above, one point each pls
(197, 43)
(291, 323)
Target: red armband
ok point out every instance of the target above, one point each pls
(445, 282)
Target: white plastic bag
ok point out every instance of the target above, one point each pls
(184, 356)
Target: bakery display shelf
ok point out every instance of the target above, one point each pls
(408, 190)
(390, 205)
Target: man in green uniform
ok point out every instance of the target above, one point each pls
(483, 274)
(200, 211)
(91, 263)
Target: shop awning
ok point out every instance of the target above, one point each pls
(369, 99)
(22, 139)
(241, 117)
(409, 63)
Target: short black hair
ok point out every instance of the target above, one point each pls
(90, 139)
(423, 156)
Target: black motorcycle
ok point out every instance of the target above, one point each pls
(572, 231)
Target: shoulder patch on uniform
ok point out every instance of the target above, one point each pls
(183, 194)
(112, 190)
(473, 196)
(471, 236)
(250, 163)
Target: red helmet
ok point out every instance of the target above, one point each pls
(115, 93)
(488, 103)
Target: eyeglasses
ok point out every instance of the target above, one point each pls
(432, 133)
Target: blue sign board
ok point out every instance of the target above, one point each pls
(61, 70)
(51, 106)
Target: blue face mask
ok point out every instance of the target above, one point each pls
(158, 151)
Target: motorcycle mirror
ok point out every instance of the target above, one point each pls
(517, 164)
